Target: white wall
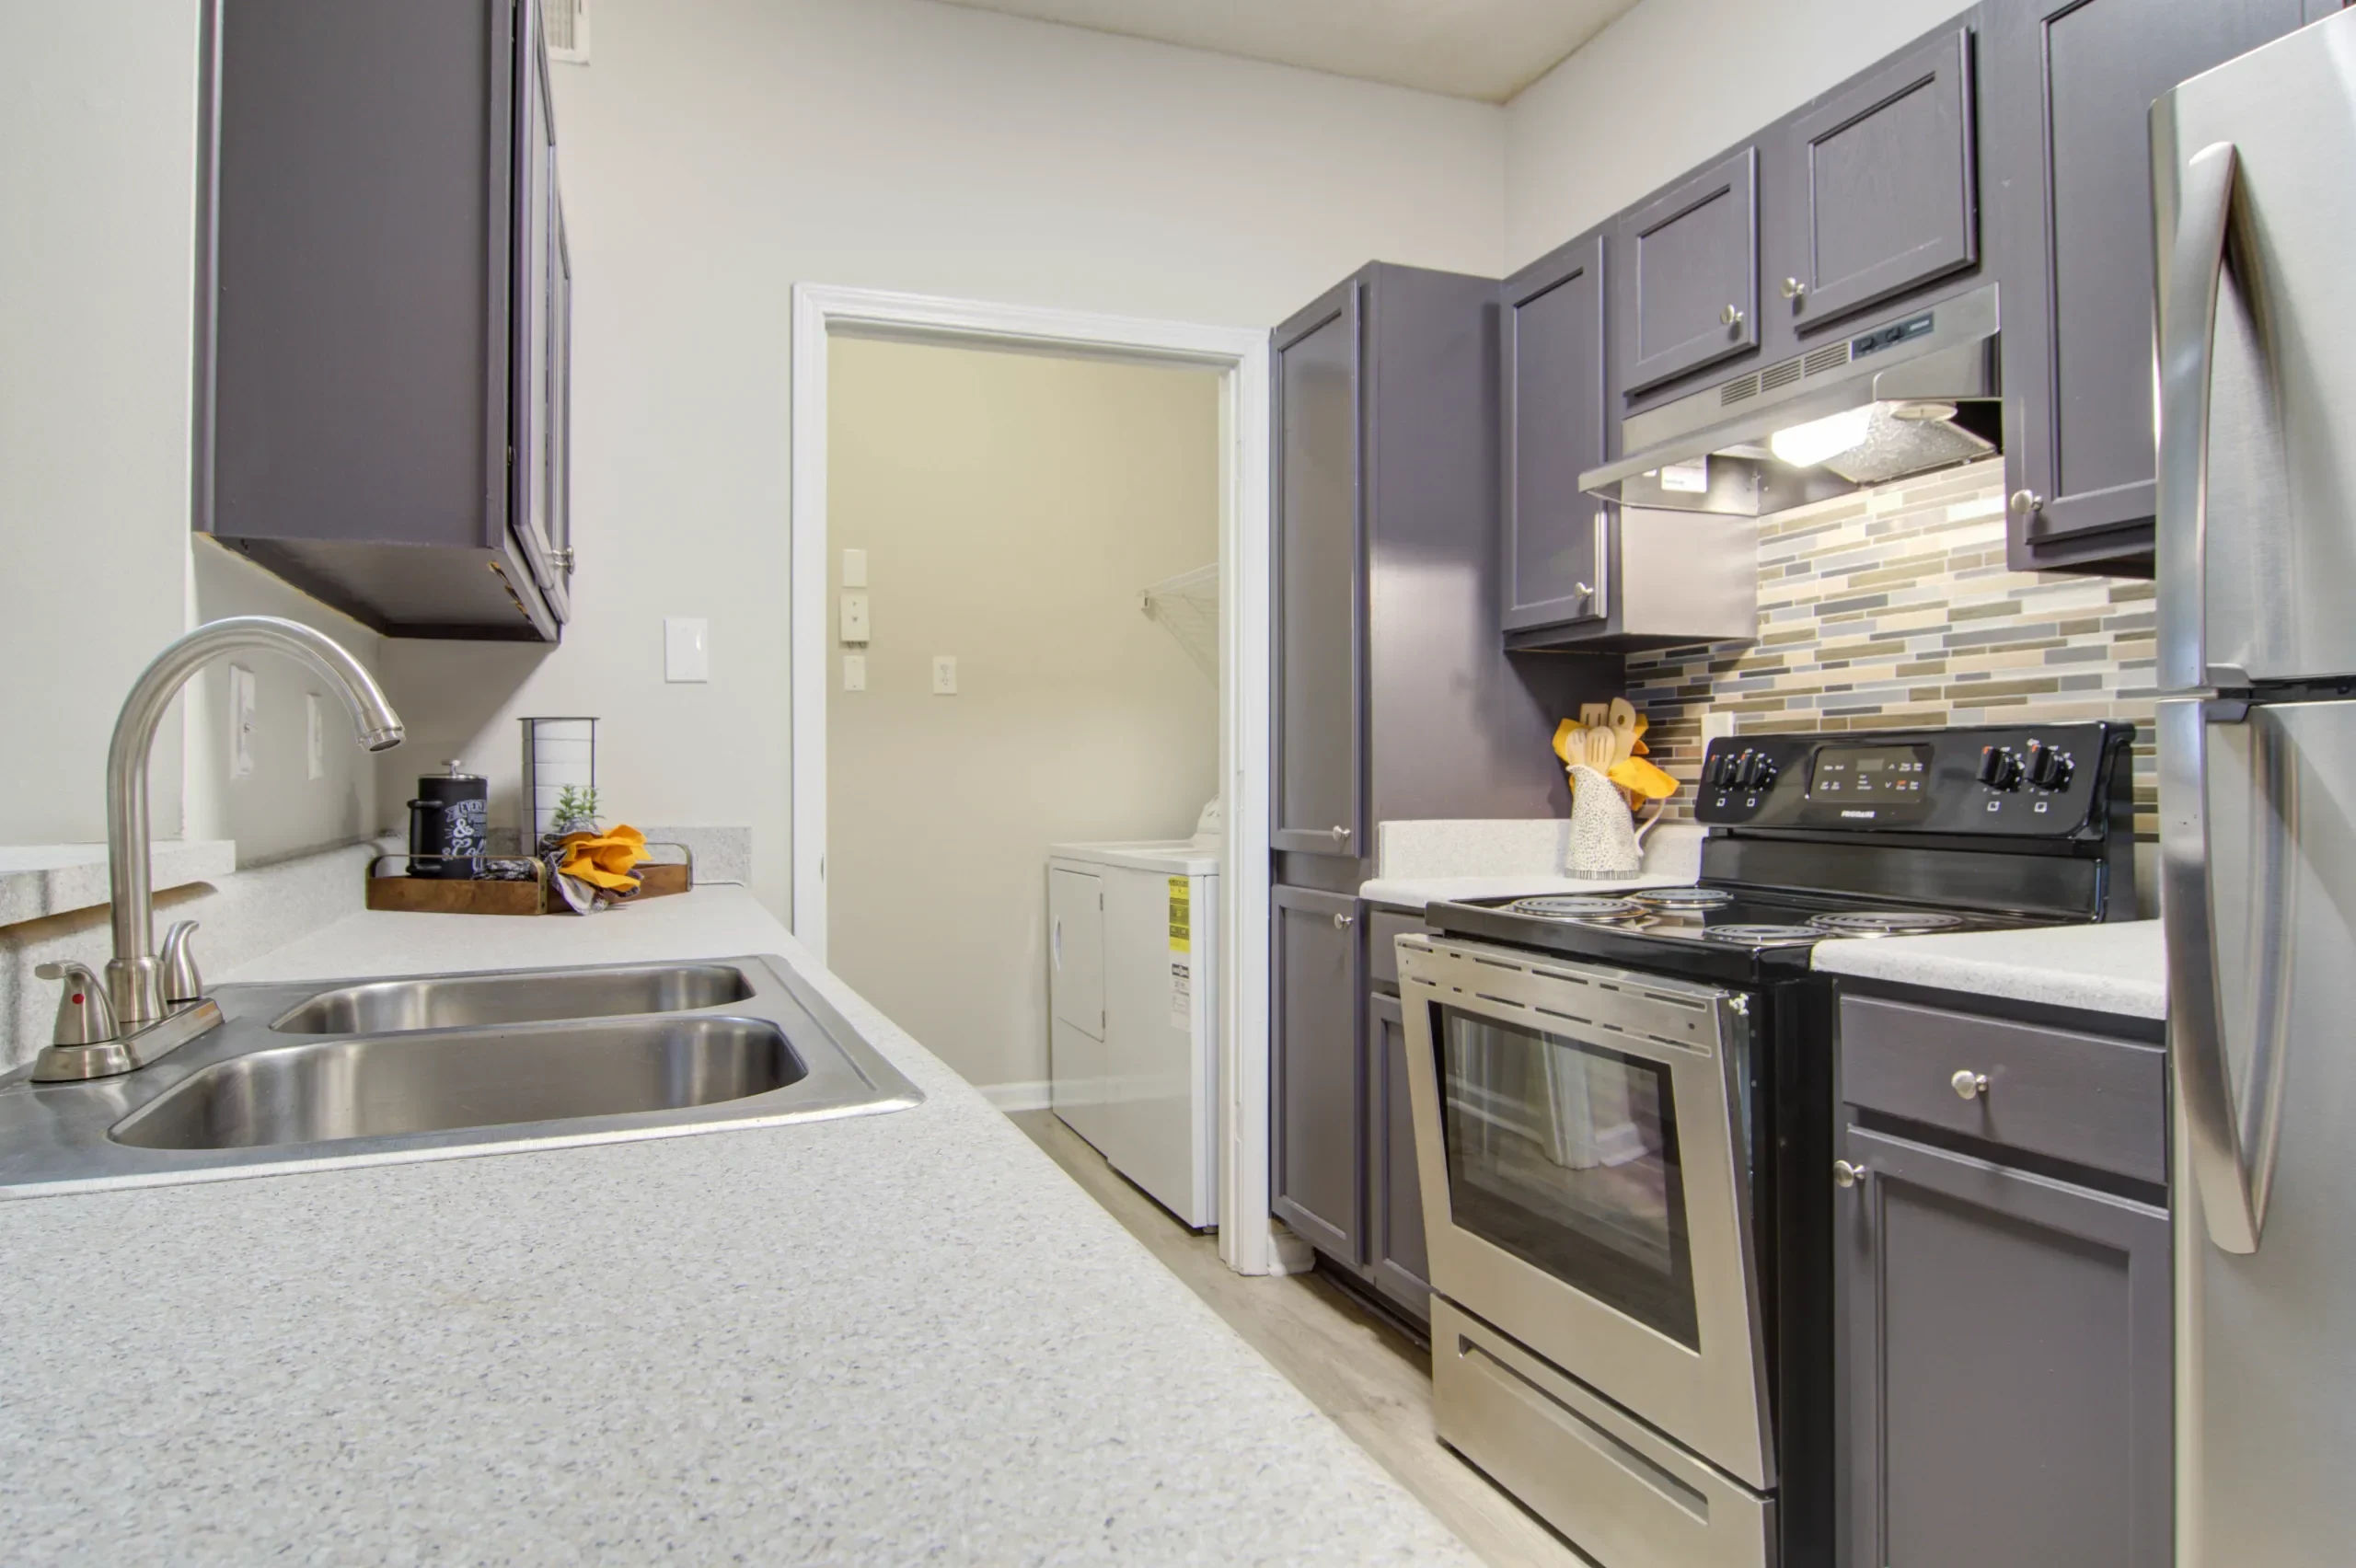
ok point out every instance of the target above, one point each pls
(278, 810)
(717, 153)
(1011, 507)
(1669, 84)
(97, 147)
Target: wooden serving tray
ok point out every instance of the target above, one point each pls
(436, 896)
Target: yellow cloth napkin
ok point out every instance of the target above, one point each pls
(604, 859)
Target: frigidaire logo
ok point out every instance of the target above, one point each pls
(1855, 812)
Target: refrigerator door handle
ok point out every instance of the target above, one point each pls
(2233, 1180)
(2188, 349)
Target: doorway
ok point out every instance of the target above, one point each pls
(1014, 682)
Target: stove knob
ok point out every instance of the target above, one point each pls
(1763, 773)
(1998, 768)
(1722, 770)
(2048, 769)
(1745, 773)
(2058, 769)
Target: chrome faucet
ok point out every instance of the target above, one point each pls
(152, 1005)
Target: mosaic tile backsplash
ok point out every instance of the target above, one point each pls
(1894, 607)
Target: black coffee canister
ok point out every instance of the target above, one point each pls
(446, 825)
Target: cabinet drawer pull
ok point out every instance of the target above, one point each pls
(2025, 501)
(1731, 316)
(1968, 1084)
(1794, 289)
(1343, 922)
(1845, 1174)
(1340, 835)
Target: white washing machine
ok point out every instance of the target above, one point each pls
(1133, 987)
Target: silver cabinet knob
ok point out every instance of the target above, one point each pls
(1586, 590)
(1845, 1174)
(1343, 922)
(1794, 288)
(1731, 316)
(2025, 502)
(1340, 835)
(1968, 1084)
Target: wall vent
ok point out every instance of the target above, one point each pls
(1737, 391)
(1832, 356)
(1776, 376)
(566, 23)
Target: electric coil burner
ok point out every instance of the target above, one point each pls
(1623, 1112)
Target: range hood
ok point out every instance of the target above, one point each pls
(1914, 393)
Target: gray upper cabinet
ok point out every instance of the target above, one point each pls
(2071, 84)
(2007, 1350)
(1319, 589)
(1554, 421)
(1317, 1172)
(1688, 265)
(382, 317)
(1874, 192)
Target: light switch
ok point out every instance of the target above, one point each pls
(241, 722)
(687, 648)
(854, 672)
(854, 618)
(854, 568)
(315, 736)
(945, 674)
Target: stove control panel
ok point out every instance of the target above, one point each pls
(2039, 781)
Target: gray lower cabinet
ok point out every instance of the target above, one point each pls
(383, 317)
(2071, 84)
(1318, 1091)
(1688, 261)
(1400, 1267)
(2004, 1326)
(1875, 193)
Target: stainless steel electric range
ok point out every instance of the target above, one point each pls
(1623, 1111)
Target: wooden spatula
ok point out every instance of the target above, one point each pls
(1593, 715)
(1623, 720)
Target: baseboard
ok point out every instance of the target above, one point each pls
(1031, 1096)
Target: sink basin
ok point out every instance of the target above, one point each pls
(461, 1001)
(546, 1058)
(376, 1087)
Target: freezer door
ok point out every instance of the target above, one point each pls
(2257, 496)
(2262, 1026)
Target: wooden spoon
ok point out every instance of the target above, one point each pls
(1624, 729)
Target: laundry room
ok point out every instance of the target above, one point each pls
(1021, 729)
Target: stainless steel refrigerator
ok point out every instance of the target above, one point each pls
(2254, 170)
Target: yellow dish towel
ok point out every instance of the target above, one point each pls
(1642, 776)
(604, 859)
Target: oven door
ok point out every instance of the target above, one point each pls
(1581, 1141)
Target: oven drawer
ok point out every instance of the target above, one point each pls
(2081, 1098)
(1623, 1492)
(1383, 927)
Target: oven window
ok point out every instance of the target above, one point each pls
(1565, 1154)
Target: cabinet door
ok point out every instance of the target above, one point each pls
(2070, 84)
(1319, 593)
(1686, 273)
(2007, 1354)
(1078, 1061)
(560, 455)
(533, 302)
(1318, 1163)
(1395, 1230)
(1554, 412)
(1879, 184)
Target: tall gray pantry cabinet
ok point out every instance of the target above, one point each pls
(1393, 695)
(385, 311)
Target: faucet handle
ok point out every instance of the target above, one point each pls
(181, 982)
(85, 1017)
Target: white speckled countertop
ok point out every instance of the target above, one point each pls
(884, 1339)
(2119, 969)
(1507, 859)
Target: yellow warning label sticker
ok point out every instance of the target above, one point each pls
(1182, 914)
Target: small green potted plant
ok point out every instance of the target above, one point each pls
(576, 812)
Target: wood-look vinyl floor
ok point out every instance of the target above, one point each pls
(1353, 1363)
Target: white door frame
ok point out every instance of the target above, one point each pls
(1240, 356)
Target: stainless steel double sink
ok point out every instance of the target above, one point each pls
(366, 1072)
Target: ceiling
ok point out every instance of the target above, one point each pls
(1488, 49)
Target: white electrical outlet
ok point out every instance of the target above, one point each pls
(315, 736)
(945, 674)
(855, 618)
(687, 648)
(1716, 725)
(854, 568)
(854, 672)
(241, 722)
